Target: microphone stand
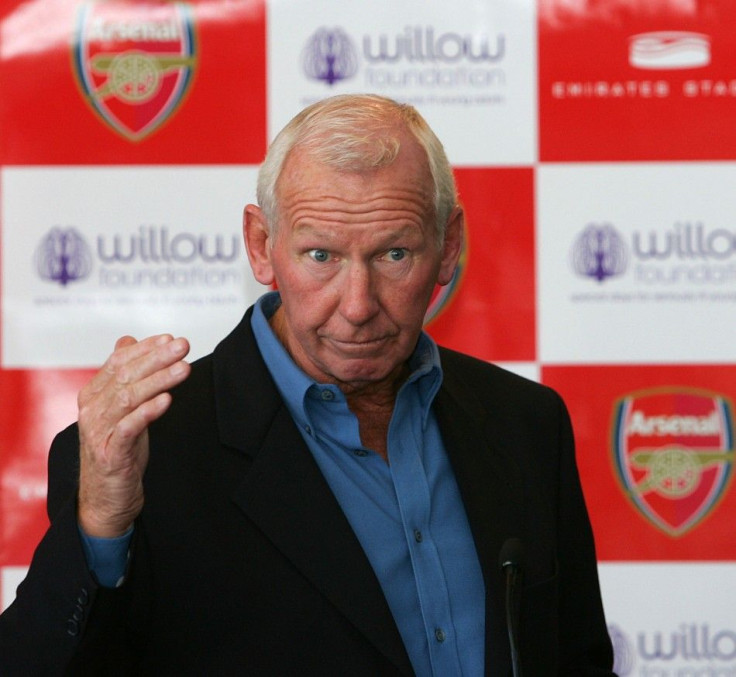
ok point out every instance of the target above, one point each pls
(510, 562)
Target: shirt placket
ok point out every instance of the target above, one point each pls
(412, 491)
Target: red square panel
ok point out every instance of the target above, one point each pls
(625, 80)
(656, 455)
(489, 311)
(36, 405)
(133, 81)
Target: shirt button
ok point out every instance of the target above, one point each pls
(360, 452)
(418, 536)
(307, 430)
(328, 395)
(439, 635)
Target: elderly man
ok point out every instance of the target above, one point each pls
(326, 493)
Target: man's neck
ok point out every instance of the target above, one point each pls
(371, 402)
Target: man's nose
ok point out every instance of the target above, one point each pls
(358, 297)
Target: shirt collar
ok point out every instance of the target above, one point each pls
(293, 384)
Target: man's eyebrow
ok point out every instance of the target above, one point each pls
(304, 227)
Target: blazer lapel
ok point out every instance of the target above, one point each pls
(490, 486)
(286, 496)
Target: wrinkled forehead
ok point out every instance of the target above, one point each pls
(397, 153)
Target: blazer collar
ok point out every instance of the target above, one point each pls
(490, 485)
(488, 477)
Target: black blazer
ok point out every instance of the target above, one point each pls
(243, 563)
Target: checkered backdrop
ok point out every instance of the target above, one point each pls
(594, 149)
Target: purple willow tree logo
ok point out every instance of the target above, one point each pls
(623, 652)
(63, 256)
(330, 56)
(599, 252)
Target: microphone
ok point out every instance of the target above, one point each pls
(511, 561)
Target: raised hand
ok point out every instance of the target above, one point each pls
(115, 410)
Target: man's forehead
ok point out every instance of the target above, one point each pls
(359, 158)
(354, 197)
(303, 176)
(402, 191)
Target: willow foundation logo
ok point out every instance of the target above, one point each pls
(599, 252)
(330, 56)
(673, 453)
(63, 256)
(134, 62)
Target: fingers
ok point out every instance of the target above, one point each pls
(133, 360)
(115, 409)
(135, 373)
(124, 341)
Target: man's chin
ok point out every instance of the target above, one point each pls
(359, 374)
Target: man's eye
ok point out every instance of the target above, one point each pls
(319, 255)
(396, 254)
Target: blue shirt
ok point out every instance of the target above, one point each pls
(407, 514)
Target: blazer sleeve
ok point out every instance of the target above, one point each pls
(585, 647)
(43, 629)
(562, 624)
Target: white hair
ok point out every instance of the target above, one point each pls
(357, 132)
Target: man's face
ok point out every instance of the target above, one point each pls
(355, 257)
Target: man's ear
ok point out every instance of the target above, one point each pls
(452, 246)
(257, 238)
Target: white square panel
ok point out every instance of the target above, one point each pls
(636, 263)
(10, 579)
(671, 619)
(529, 370)
(90, 254)
(469, 67)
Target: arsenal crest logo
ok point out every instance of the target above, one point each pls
(134, 61)
(442, 295)
(673, 452)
